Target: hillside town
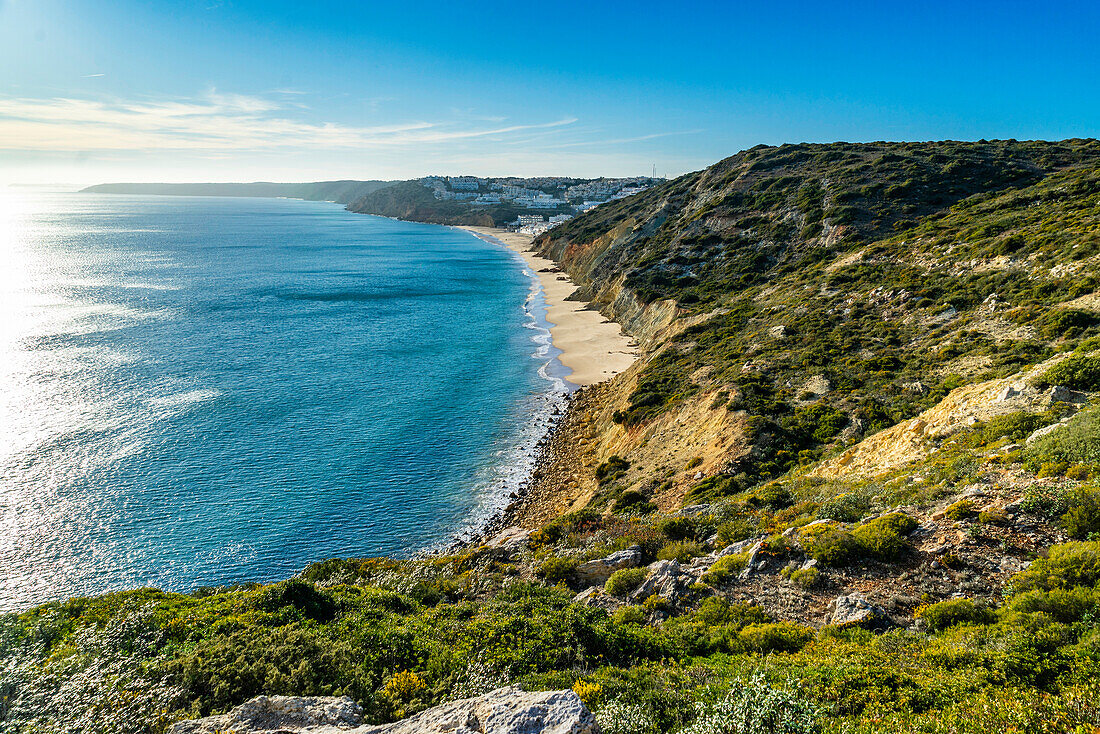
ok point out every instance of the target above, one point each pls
(541, 203)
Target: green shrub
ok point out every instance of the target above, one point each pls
(1066, 606)
(633, 501)
(1045, 500)
(830, 545)
(677, 528)
(755, 706)
(1065, 566)
(772, 497)
(1083, 516)
(846, 507)
(625, 580)
(555, 569)
(735, 531)
(682, 551)
(629, 615)
(994, 516)
(961, 510)
(300, 595)
(807, 578)
(612, 469)
(1077, 442)
(882, 538)
(1076, 373)
(656, 603)
(725, 568)
(954, 612)
(775, 637)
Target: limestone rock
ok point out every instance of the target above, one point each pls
(265, 714)
(739, 547)
(853, 610)
(597, 571)
(1045, 431)
(594, 596)
(666, 579)
(755, 562)
(509, 540)
(503, 711)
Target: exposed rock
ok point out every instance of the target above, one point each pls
(1045, 431)
(817, 385)
(915, 438)
(265, 714)
(599, 570)
(1059, 394)
(755, 563)
(503, 711)
(739, 547)
(594, 596)
(666, 579)
(509, 540)
(853, 610)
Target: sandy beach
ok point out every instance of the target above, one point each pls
(591, 345)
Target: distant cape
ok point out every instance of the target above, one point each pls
(341, 192)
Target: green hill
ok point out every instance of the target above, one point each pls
(852, 485)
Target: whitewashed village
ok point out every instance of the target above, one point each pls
(541, 203)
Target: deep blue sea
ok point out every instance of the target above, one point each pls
(201, 391)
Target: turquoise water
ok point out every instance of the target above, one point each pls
(201, 391)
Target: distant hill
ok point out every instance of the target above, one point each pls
(341, 192)
(411, 201)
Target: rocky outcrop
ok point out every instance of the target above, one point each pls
(509, 540)
(666, 579)
(853, 610)
(503, 711)
(914, 439)
(270, 714)
(599, 570)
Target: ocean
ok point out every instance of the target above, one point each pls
(206, 391)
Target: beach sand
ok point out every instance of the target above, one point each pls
(591, 345)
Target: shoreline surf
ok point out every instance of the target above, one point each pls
(592, 347)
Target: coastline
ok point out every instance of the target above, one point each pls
(592, 347)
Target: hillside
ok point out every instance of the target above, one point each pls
(342, 192)
(410, 200)
(853, 484)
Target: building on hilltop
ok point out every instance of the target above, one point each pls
(464, 183)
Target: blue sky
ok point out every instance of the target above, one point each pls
(93, 90)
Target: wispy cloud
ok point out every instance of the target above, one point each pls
(217, 122)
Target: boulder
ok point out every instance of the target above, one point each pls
(739, 547)
(853, 610)
(666, 579)
(594, 596)
(599, 570)
(756, 561)
(509, 540)
(503, 711)
(1045, 431)
(265, 714)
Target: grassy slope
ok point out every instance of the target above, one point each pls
(756, 240)
(760, 239)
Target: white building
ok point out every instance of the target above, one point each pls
(464, 183)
